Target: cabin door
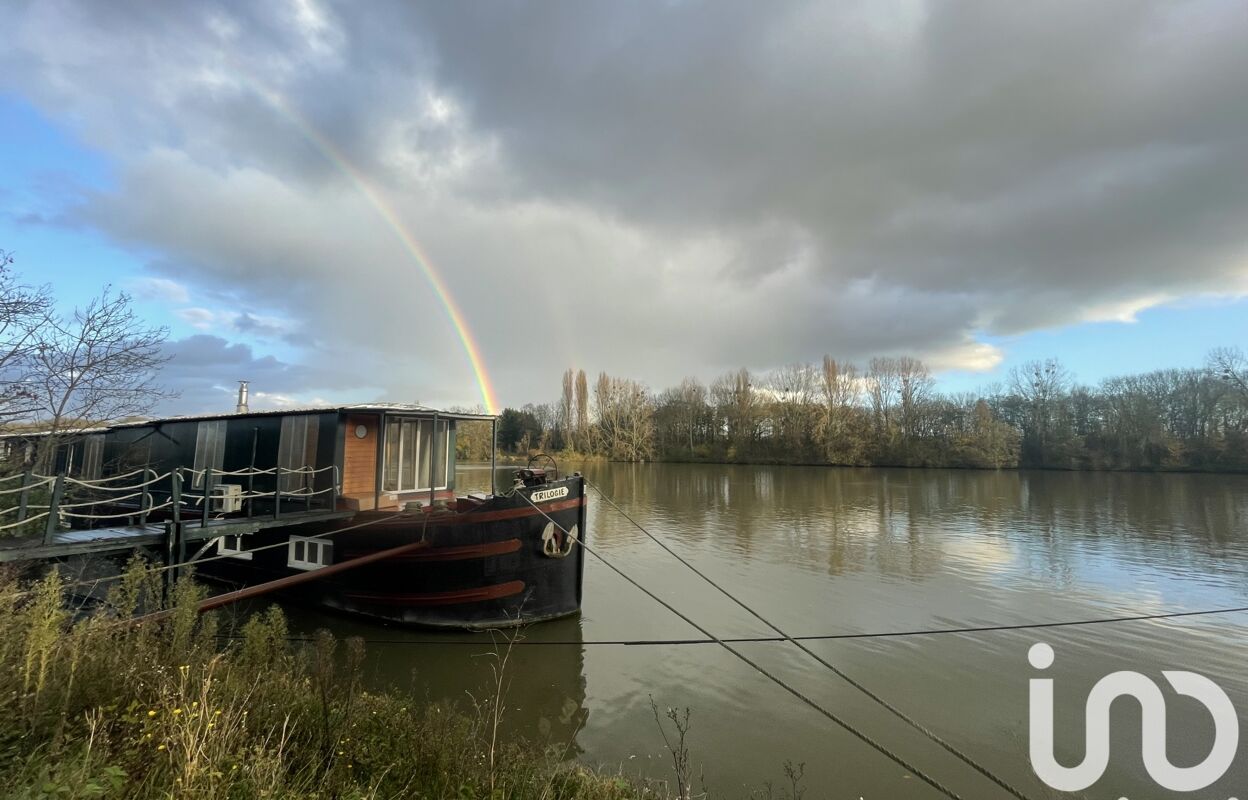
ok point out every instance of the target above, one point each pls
(359, 461)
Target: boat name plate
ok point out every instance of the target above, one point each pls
(549, 494)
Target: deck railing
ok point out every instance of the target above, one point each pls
(49, 503)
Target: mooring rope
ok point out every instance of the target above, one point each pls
(844, 724)
(805, 638)
(903, 716)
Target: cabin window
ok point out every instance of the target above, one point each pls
(304, 553)
(209, 449)
(82, 459)
(92, 457)
(409, 444)
(232, 546)
(296, 455)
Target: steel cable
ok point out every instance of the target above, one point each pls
(844, 724)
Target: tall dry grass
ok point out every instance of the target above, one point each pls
(97, 707)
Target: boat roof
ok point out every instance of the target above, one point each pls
(380, 408)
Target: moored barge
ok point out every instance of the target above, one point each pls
(407, 547)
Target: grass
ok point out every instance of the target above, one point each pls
(98, 707)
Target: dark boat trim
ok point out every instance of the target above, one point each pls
(455, 553)
(473, 517)
(476, 595)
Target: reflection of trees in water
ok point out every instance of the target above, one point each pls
(545, 684)
(900, 522)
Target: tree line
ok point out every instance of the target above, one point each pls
(889, 413)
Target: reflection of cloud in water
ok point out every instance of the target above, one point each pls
(990, 553)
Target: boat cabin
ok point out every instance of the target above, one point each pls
(357, 457)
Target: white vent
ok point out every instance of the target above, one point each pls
(309, 553)
(227, 497)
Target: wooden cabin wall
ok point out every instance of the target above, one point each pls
(359, 462)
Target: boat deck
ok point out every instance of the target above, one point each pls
(123, 538)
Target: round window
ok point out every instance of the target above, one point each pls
(361, 431)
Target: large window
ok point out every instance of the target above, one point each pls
(209, 449)
(297, 451)
(89, 466)
(410, 444)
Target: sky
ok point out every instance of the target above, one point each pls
(452, 203)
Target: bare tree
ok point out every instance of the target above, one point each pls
(582, 410)
(916, 384)
(794, 413)
(23, 311)
(1041, 385)
(1229, 364)
(567, 406)
(95, 365)
(692, 398)
(884, 389)
(625, 419)
(736, 404)
(842, 393)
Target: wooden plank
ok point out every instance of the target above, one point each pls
(96, 546)
(359, 459)
(193, 532)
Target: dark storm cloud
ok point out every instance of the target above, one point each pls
(661, 188)
(203, 371)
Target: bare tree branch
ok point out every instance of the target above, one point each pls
(95, 365)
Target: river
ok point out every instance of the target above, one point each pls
(836, 551)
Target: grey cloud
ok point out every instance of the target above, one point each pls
(662, 188)
(203, 370)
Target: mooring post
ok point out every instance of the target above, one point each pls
(170, 527)
(433, 454)
(494, 456)
(175, 495)
(251, 473)
(277, 492)
(58, 488)
(145, 498)
(24, 497)
(207, 496)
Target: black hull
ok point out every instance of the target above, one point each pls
(497, 564)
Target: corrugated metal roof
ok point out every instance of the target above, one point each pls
(388, 408)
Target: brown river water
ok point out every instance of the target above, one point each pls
(841, 551)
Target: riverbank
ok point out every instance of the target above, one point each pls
(720, 459)
(99, 707)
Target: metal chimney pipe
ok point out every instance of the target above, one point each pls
(241, 408)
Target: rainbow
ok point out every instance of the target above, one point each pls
(386, 211)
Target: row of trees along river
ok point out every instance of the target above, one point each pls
(100, 363)
(890, 414)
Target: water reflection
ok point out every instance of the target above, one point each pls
(821, 550)
(543, 678)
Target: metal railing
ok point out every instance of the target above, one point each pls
(71, 500)
(277, 495)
